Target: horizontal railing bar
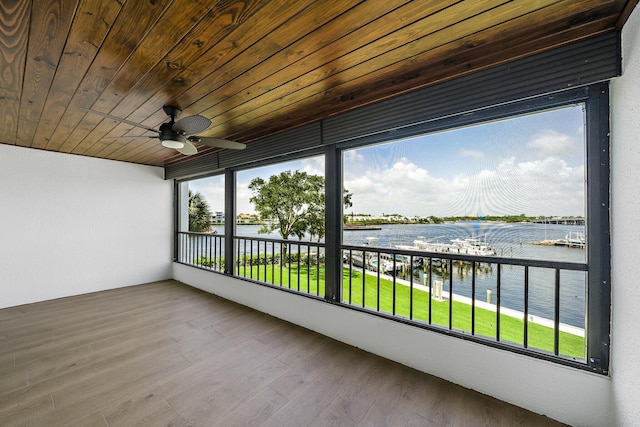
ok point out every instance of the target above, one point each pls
(562, 265)
(197, 233)
(289, 242)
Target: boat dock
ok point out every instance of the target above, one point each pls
(353, 227)
(571, 240)
(561, 221)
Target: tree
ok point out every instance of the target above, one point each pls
(292, 203)
(287, 200)
(199, 213)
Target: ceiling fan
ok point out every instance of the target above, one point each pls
(179, 135)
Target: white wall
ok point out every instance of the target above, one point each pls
(625, 237)
(566, 394)
(72, 225)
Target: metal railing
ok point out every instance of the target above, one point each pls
(203, 250)
(534, 305)
(294, 265)
(520, 304)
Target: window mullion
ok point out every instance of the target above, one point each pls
(230, 219)
(598, 234)
(333, 223)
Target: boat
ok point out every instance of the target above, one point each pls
(384, 266)
(473, 246)
(468, 246)
(354, 258)
(371, 241)
(371, 261)
(572, 240)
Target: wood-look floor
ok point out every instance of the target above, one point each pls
(167, 354)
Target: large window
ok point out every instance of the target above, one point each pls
(281, 245)
(201, 222)
(512, 188)
(491, 225)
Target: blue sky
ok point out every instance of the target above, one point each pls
(532, 164)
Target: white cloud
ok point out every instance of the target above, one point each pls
(354, 156)
(474, 154)
(242, 198)
(360, 185)
(212, 189)
(540, 187)
(550, 143)
(403, 188)
(313, 166)
(546, 186)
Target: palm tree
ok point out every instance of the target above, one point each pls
(199, 213)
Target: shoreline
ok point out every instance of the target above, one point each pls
(354, 227)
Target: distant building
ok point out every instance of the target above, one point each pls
(244, 218)
(217, 217)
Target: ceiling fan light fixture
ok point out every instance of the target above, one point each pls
(170, 138)
(172, 144)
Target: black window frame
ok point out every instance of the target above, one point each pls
(596, 103)
(570, 74)
(595, 99)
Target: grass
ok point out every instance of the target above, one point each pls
(416, 305)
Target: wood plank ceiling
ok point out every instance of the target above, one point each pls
(253, 67)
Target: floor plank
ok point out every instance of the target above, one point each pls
(167, 354)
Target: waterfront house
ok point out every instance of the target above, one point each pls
(217, 217)
(85, 210)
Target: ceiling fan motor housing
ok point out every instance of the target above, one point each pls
(170, 138)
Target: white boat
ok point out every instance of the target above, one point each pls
(384, 263)
(371, 241)
(420, 244)
(473, 246)
(385, 266)
(572, 240)
(469, 246)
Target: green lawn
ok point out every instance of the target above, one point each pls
(414, 304)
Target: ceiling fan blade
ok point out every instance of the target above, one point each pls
(217, 142)
(188, 149)
(130, 137)
(118, 119)
(191, 125)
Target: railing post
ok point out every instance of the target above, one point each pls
(229, 219)
(333, 223)
(180, 217)
(176, 219)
